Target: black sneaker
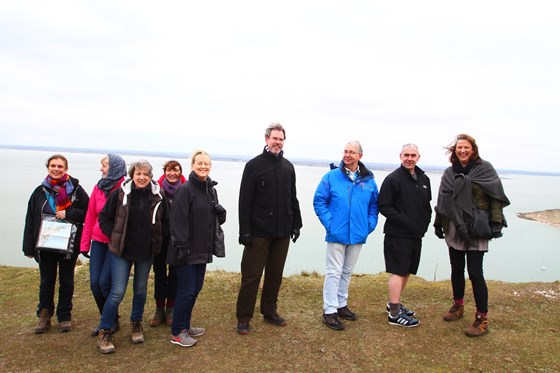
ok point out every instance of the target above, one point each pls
(346, 314)
(243, 328)
(275, 320)
(404, 310)
(403, 319)
(332, 321)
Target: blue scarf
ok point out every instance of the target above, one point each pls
(117, 169)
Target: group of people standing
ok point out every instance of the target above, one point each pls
(174, 226)
(128, 222)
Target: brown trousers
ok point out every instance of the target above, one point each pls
(268, 254)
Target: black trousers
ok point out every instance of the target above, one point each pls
(268, 254)
(474, 261)
(51, 265)
(165, 280)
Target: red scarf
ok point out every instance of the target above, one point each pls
(59, 186)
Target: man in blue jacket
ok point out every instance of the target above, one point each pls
(404, 200)
(346, 203)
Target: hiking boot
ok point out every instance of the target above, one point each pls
(455, 313)
(479, 326)
(159, 316)
(137, 335)
(196, 332)
(44, 323)
(65, 326)
(183, 339)
(243, 328)
(403, 319)
(346, 314)
(169, 316)
(332, 321)
(105, 342)
(275, 320)
(402, 309)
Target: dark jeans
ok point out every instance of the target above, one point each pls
(190, 279)
(268, 254)
(100, 269)
(165, 280)
(474, 261)
(49, 265)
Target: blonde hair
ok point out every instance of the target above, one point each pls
(199, 152)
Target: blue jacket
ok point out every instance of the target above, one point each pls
(347, 209)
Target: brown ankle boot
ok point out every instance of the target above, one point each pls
(455, 313)
(44, 322)
(479, 326)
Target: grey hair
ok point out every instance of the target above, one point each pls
(141, 164)
(356, 144)
(410, 145)
(274, 126)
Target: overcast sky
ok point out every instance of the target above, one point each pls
(180, 75)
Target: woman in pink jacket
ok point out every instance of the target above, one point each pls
(94, 242)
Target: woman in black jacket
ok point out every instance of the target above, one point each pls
(61, 195)
(196, 235)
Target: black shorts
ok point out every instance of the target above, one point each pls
(402, 254)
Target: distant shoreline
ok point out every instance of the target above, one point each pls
(245, 158)
(551, 217)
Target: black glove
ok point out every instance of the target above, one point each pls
(497, 230)
(438, 230)
(295, 235)
(245, 239)
(86, 254)
(219, 209)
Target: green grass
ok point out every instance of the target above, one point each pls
(524, 331)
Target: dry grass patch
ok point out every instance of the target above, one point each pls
(524, 331)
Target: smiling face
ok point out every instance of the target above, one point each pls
(275, 142)
(464, 151)
(57, 168)
(141, 177)
(172, 174)
(201, 166)
(351, 156)
(409, 157)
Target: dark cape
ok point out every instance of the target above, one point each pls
(455, 197)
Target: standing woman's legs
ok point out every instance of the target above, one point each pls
(160, 278)
(457, 260)
(141, 273)
(476, 275)
(197, 273)
(48, 270)
(65, 287)
(99, 273)
(120, 270)
(171, 286)
(180, 309)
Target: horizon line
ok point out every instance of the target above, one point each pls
(243, 158)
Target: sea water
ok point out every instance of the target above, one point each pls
(529, 251)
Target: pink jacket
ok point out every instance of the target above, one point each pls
(91, 225)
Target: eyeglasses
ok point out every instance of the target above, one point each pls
(350, 152)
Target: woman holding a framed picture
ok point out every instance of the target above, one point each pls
(53, 227)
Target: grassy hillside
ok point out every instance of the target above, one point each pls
(524, 331)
